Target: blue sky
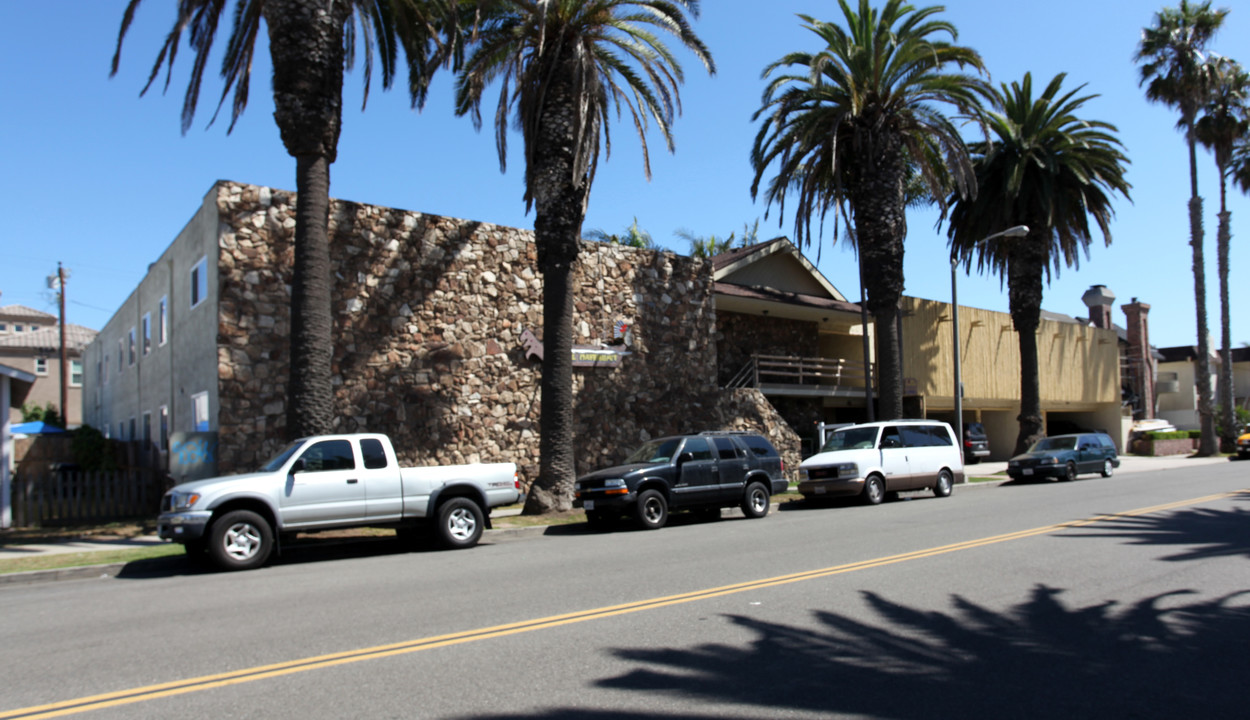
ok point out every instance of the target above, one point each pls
(102, 180)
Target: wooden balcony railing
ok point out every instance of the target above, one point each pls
(802, 375)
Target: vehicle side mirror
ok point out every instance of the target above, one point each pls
(685, 457)
(297, 466)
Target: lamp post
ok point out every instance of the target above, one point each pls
(1016, 231)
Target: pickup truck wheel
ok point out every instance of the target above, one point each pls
(651, 510)
(240, 540)
(460, 523)
(755, 501)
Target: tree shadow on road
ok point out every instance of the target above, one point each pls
(1156, 658)
(1203, 532)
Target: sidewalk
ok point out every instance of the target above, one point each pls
(1129, 464)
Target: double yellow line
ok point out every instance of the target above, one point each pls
(246, 675)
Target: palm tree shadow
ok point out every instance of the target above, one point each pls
(1204, 532)
(1039, 659)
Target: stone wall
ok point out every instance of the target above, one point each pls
(429, 313)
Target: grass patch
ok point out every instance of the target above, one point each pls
(57, 561)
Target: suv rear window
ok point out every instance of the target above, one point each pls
(758, 445)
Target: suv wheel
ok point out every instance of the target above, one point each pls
(1107, 468)
(651, 510)
(755, 501)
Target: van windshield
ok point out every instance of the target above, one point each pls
(851, 439)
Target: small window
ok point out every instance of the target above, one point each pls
(891, 438)
(199, 412)
(105, 375)
(940, 436)
(329, 455)
(34, 328)
(75, 373)
(18, 327)
(41, 366)
(199, 281)
(4, 328)
(374, 454)
(147, 429)
(121, 356)
(725, 449)
(147, 333)
(164, 427)
(121, 431)
(133, 435)
(162, 327)
(131, 346)
(915, 436)
(698, 447)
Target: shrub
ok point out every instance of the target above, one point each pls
(1174, 434)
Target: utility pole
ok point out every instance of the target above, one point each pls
(57, 282)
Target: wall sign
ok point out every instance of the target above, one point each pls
(583, 355)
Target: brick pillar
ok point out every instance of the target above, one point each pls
(1139, 354)
(1098, 299)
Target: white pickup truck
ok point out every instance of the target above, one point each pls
(329, 482)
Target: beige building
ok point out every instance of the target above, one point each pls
(30, 340)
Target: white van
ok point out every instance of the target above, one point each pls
(875, 458)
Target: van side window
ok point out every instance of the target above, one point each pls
(916, 436)
(890, 438)
(374, 455)
(939, 436)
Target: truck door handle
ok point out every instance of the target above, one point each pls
(352, 481)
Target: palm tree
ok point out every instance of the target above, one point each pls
(842, 127)
(1173, 69)
(565, 66)
(1052, 170)
(707, 246)
(633, 236)
(1225, 121)
(310, 44)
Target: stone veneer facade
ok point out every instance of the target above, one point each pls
(429, 313)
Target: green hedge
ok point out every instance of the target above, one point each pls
(1175, 435)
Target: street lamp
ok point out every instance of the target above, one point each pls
(1017, 231)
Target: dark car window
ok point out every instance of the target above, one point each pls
(725, 449)
(374, 454)
(697, 447)
(1106, 442)
(656, 451)
(759, 446)
(329, 455)
(939, 436)
(1054, 443)
(891, 438)
(915, 436)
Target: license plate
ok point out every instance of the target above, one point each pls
(588, 504)
(820, 489)
(1027, 471)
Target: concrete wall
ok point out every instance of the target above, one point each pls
(168, 374)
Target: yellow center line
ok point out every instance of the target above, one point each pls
(262, 672)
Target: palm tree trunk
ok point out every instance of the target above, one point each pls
(1228, 427)
(1024, 281)
(306, 47)
(880, 226)
(560, 196)
(1206, 415)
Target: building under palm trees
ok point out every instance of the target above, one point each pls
(431, 317)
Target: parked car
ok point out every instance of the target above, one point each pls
(872, 459)
(976, 444)
(1065, 457)
(330, 482)
(1243, 444)
(704, 472)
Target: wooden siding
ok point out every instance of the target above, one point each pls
(1079, 364)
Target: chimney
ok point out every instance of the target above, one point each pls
(1098, 299)
(1139, 362)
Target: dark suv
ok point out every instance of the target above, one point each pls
(976, 444)
(704, 472)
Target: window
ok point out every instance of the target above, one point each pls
(41, 366)
(121, 431)
(698, 447)
(4, 328)
(164, 427)
(759, 446)
(374, 454)
(34, 328)
(133, 436)
(199, 281)
(725, 449)
(147, 333)
(131, 346)
(105, 376)
(329, 455)
(18, 327)
(75, 373)
(162, 326)
(199, 412)
(147, 429)
(121, 355)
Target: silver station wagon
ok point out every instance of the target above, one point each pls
(873, 459)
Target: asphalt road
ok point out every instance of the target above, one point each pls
(1126, 597)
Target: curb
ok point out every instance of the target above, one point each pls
(81, 572)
